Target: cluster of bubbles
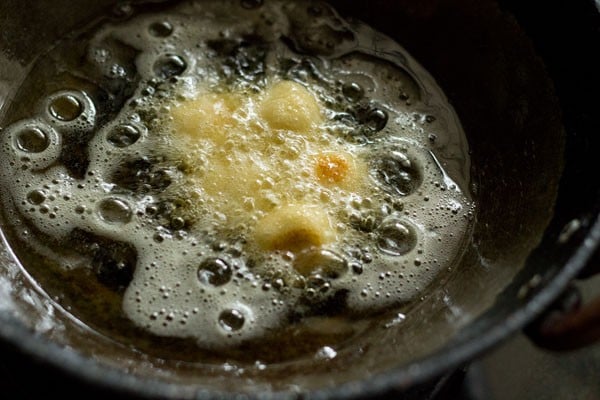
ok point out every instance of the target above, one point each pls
(187, 280)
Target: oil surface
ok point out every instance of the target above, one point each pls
(148, 164)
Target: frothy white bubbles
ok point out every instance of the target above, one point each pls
(189, 282)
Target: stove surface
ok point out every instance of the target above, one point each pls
(518, 370)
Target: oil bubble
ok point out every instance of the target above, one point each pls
(231, 320)
(322, 262)
(177, 223)
(214, 271)
(65, 108)
(169, 65)
(160, 29)
(32, 140)
(352, 91)
(396, 237)
(123, 135)
(376, 119)
(397, 172)
(36, 197)
(114, 210)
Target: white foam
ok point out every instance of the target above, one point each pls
(165, 296)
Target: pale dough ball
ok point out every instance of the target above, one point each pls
(289, 106)
(294, 228)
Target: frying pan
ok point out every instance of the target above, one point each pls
(523, 80)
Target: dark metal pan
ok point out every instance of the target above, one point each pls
(524, 82)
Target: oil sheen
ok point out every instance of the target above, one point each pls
(215, 174)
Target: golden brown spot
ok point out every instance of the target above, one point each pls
(331, 168)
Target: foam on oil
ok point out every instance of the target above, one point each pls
(201, 164)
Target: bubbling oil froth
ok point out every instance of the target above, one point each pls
(195, 275)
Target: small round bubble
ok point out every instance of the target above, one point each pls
(123, 135)
(161, 29)
(353, 91)
(231, 320)
(32, 140)
(397, 172)
(376, 119)
(320, 261)
(169, 65)
(396, 237)
(65, 108)
(214, 272)
(114, 210)
(36, 197)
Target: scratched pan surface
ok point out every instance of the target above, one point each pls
(525, 96)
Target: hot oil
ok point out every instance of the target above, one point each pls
(108, 212)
